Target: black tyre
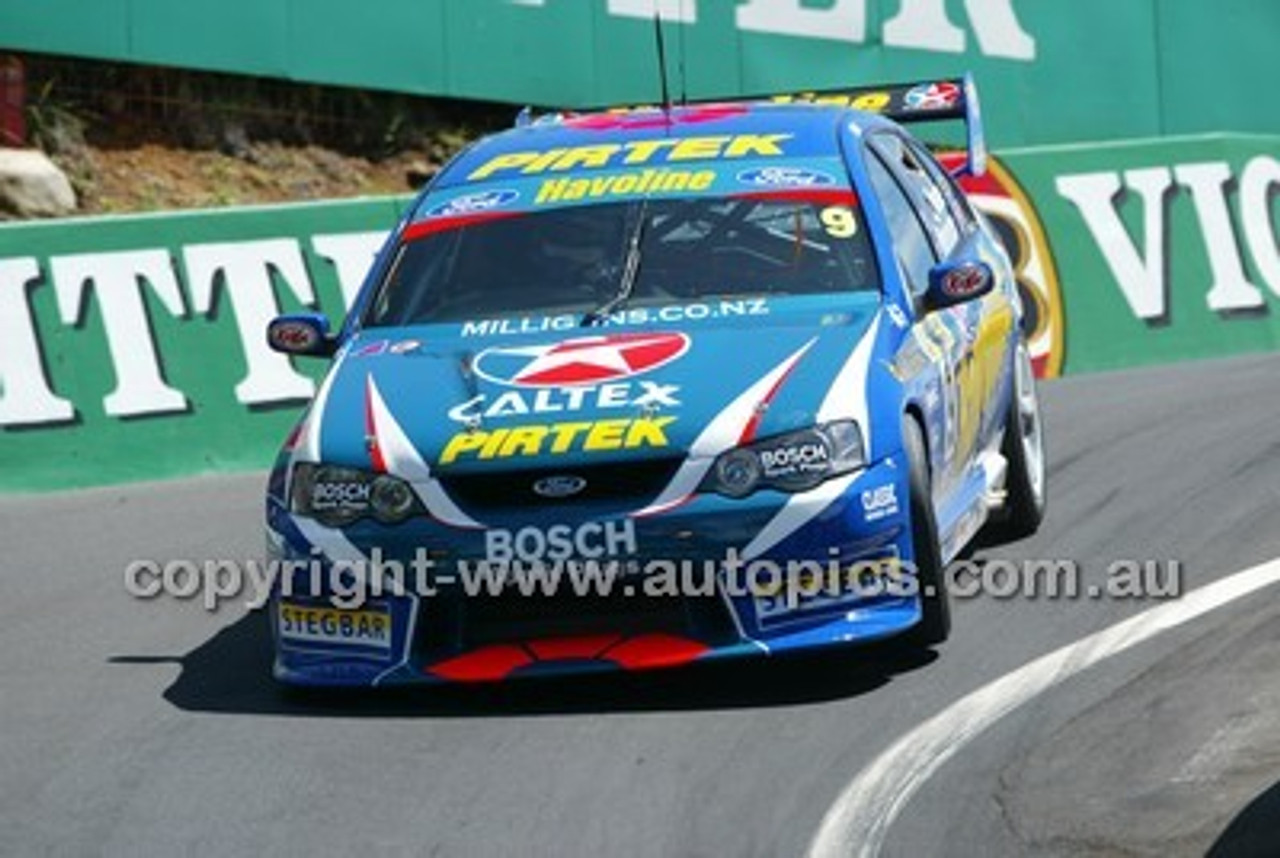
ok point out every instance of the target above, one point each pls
(935, 624)
(1023, 448)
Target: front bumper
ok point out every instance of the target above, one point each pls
(712, 578)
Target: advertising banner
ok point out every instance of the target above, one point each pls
(134, 347)
(1084, 70)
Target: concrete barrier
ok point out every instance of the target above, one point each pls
(132, 347)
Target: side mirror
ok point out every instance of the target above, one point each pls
(952, 283)
(303, 334)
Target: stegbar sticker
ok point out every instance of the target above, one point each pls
(325, 626)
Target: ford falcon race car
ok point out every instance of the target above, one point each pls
(643, 387)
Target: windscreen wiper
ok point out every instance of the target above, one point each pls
(630, 269)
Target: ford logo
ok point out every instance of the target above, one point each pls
(476, 203)
(786, 177)
(559, 486)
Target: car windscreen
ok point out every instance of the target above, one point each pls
(575, 259)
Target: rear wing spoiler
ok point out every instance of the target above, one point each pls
(907, 103)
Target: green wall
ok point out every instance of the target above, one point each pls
(133, 348)
(122, 351)
(1059, 71)
(1166, 249)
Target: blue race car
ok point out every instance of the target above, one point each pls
(643, 387)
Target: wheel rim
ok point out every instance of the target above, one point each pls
(1030, 432)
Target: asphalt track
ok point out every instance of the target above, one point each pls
(148, 728)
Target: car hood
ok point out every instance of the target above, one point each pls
(429, 401)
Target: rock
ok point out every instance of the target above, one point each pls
(32, 186)
(235, 141)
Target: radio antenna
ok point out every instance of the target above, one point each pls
(662, 59)
(684, 80)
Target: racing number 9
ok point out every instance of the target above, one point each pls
(839, 221)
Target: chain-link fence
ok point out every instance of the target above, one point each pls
(122, 104)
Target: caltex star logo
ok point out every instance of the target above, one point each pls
(580, 361)
(933, 96)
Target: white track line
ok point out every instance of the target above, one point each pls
(859, 820)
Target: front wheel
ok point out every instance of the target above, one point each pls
(1023, 448)
(935, 621)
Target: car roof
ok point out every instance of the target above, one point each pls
(802, 129)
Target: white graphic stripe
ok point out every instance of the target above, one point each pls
(721, 434)
(408, 639)
(308, 447)
(402, 460)
(330, 540)
(795, 513)
(847, 398)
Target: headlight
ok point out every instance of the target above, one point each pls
(337, 496)
(392, 499)
(794, 462)
(737, 473)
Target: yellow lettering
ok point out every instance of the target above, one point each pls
(625, 184)
(606, 435)
(873, 102)
(585, 156)
(493, 443)
(768, 145)
(463, 442)
(565, 434)
(702, 180)
(558, 438)
(552, 190)
(637, 152)
(672, 182)
(642, 151)
(698, 148)
(648, 433)
(524, 441)
(544, 161)
(509, 161)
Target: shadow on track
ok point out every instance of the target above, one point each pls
(231, 673)
(1255, 833)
